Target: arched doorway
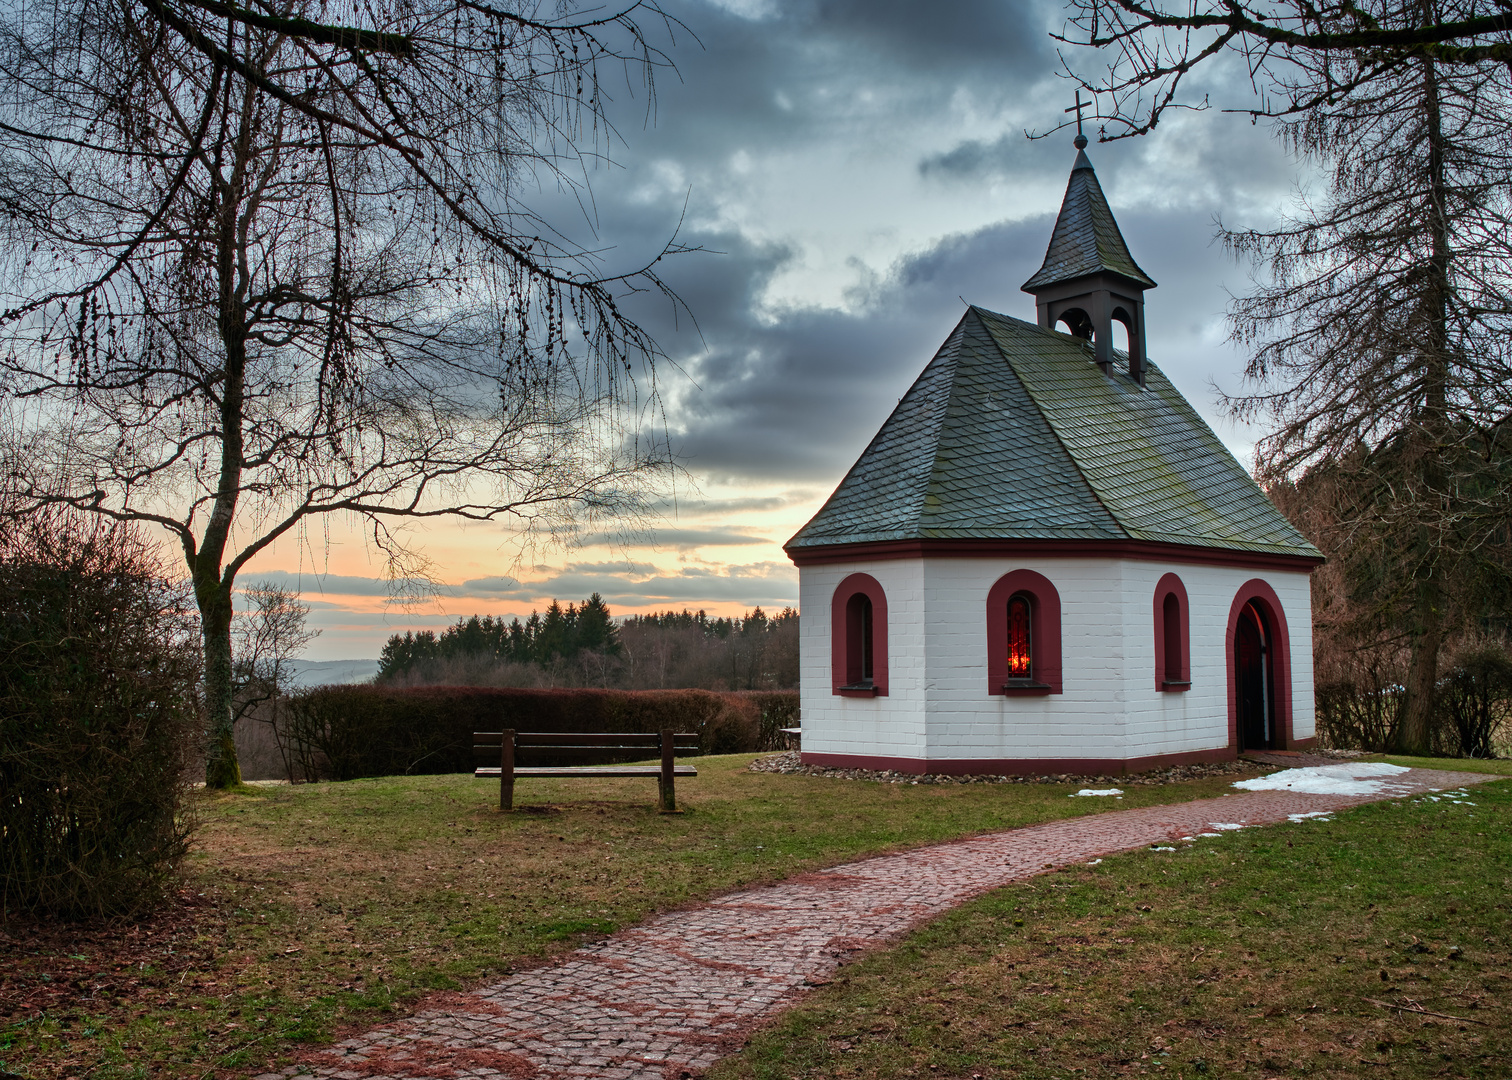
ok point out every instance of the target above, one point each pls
(1254, 685)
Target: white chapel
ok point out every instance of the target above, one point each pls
(1045, 560)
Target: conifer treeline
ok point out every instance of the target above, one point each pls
(560, 634)
(581, 645)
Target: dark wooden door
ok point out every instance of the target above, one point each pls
(1251, 681)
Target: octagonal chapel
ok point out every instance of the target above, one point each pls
(1045, 560)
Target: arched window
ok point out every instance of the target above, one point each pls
(1170, 616)
(1020, 637)
(860, 655)
(858, 638)
(1173, 650)
(1023, 635)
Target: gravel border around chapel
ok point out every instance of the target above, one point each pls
(789, 763)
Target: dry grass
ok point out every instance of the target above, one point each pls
(314, 909)
(1378, 944)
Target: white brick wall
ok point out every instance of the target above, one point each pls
(891, 726)
(937, 663)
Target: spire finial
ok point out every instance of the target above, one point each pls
(1080, 142)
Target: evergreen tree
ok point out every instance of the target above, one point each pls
(595, 627)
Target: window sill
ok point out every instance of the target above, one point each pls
(1170, 686)
(861, 690)
(1026, 688)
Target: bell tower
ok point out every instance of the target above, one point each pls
(1089, 280)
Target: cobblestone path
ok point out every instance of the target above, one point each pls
(670, 997)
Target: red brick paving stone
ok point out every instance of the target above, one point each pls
(672, 996)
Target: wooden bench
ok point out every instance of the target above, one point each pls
(505, 746)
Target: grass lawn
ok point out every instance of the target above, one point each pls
(1377, 944)
(313, 909)
(1497, 766)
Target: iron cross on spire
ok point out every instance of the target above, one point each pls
(1081, 140)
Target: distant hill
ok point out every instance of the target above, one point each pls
(325, 672)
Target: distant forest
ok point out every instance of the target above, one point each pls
(581, 645)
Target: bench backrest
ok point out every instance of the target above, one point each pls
(487, 744)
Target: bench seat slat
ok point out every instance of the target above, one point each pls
(679, 747)
(589, 770)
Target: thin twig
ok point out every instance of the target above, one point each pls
(1424, 1012)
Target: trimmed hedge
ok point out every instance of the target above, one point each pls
(345, 732)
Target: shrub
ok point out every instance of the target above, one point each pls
(1357, 716)
(778, 709)
(96, 718)
(1474, 700)
(1360, 699)
(343, 732)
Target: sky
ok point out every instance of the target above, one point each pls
(855, 173)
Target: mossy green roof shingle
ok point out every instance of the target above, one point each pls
(1014, 432)
(1086, 239)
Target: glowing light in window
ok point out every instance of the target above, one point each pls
(1020, 648)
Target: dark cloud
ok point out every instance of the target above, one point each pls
(681, 539)
(697, 507)
(765, 584)
(334, 584)
(976, 160)
(499, 585)
(1004, 37)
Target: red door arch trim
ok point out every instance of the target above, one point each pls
(1281, 661)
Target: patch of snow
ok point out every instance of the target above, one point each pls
(1454, 798)
(1097, 791)
(1094, 862)
(1222, 826)
(1359, 779)
(1209, 834)
(1309, 814)
(1162, 849)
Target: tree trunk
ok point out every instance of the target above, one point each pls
(212, 587)
(1414, 733)
(221, 767)
(1415, 730)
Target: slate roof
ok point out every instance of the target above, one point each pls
(1014, 432)
(1086, 239)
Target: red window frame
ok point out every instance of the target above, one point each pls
(1044, 635)
(846, 646)
(1173, 672)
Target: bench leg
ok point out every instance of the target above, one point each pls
(666, 781)
(506, 770)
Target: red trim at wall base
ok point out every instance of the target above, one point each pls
(1020, 766)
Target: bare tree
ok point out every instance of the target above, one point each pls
(1151, 48)
(267, 263)
(265, 637)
